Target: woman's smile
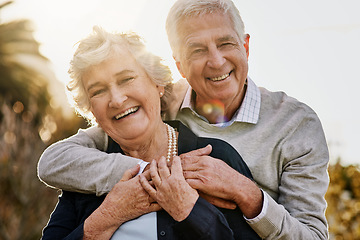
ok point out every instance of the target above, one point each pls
(127, 113)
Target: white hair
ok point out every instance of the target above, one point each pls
(100, 46)
(189, 8)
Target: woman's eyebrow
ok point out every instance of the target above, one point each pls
(123, 72)
(92, 86)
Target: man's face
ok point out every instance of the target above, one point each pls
(213, 60)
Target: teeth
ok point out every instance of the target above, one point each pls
(220, 78)
(127, 112)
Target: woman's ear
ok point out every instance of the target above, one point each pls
(161, 90)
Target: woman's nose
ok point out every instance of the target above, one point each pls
(117, 98)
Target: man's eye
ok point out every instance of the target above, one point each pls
(196, 52)
(226, 44)
(199, 50)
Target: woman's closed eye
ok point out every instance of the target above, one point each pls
(96, 92)
(128, 79)
(125, 80)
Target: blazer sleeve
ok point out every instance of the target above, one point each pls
(204, 222)
(63, 221)
(76, 164)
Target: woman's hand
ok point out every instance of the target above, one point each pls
(126, 201)
(169, 188)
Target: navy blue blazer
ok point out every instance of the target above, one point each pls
(204, 222)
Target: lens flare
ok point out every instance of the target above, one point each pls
(214, 111)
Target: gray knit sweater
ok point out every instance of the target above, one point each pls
(286, 152)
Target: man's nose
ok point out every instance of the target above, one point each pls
(216, 58)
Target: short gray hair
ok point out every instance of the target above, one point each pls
(100, 46)
(189, 8)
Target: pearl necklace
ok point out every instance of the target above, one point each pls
(172, 142)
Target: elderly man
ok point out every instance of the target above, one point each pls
(280, 139)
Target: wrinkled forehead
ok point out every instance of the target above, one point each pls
(205, 27)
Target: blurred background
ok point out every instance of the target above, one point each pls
(308, 49)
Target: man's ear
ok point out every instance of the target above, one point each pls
(246, 44)
(178, 65)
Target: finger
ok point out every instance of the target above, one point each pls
(163, 169)
(218, 202)
(154, 173)
(195, 183)
(176, 167)
(198, 152)
(191, 164)
(147, 187)
(147, 174)
(191, 174)
(154, 207)
(130, 173)
(151, 200)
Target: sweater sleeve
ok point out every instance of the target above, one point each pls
(76, 164)
(299, 211)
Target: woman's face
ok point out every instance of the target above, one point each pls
(123, 99)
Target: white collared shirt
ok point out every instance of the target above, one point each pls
(248, 112)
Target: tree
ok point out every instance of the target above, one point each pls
(28, 124)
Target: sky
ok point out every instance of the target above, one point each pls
(308, 49)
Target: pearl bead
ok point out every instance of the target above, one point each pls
(172, 143)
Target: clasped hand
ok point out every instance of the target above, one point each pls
(168, 187)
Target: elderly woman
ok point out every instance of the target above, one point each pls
(121, 87)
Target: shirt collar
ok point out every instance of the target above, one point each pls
(249, 109)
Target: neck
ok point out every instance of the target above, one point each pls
(217, 111)
(150, 147)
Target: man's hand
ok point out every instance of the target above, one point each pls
(205, 151)
(214, 177)
(219, 202)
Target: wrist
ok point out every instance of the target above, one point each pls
(100, 224)
(249, 198)
(184, 212)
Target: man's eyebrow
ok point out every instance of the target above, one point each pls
(226, 38)
(195, 45)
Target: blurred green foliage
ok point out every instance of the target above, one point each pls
(343, 198)
(28, 124)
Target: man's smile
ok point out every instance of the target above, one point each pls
(220, 78)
